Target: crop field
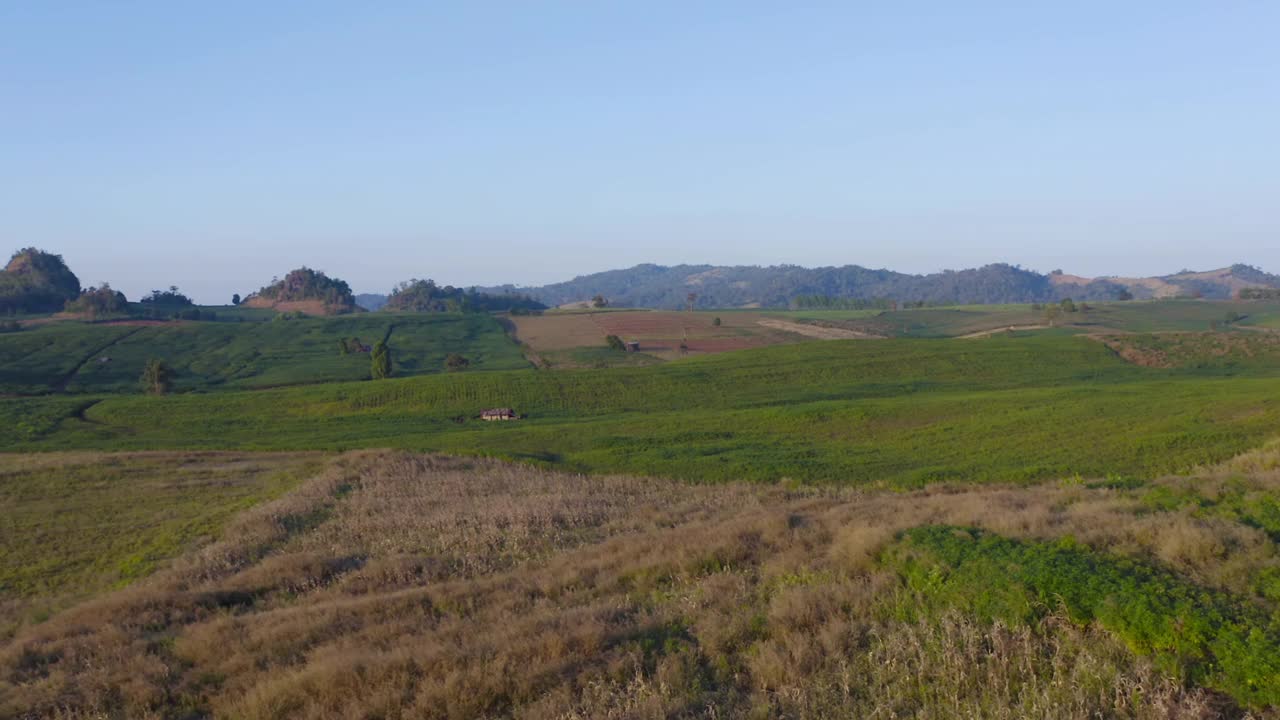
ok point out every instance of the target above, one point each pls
(401, 585)
(660, 333)
(898, 412)
(80, 358)
(39, 360)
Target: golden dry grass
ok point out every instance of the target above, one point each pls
(395, 585)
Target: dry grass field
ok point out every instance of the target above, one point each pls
(394, 585)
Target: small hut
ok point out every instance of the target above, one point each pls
(498, 414)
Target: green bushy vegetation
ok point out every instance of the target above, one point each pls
(35, 281)
(207, 356)
(306, 284)
(426, 296)
(1202, 635)
(97, 302)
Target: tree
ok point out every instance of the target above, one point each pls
(1051, 314)
(690, 299)
(98, 301)
(1068, 305)
(614, 342)
(1124, 295)
(235, 299)
(599, 301)
(455, 362)
(157, 377)
(716, 322)
(380, 360)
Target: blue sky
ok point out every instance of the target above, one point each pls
(214, 145)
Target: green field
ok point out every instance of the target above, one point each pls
(106, 358)
(897, 412)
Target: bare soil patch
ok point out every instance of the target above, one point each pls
(997, 331)
(821, 332)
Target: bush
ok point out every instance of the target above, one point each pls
(615, 343)
(1214, 639)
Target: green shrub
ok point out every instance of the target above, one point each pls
(1207, 636)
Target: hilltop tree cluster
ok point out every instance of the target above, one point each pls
(98, 302)
(307, 284)
(36, 281)
(426, 296)
(171, 298)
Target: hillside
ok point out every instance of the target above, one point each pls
(83, 358)
(661, 286)
(307, 291)
(35, 281)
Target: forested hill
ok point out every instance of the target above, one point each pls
(778, 286)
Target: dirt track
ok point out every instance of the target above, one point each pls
(996, 331)
(820, 332)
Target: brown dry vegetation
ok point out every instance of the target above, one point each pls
(1195, 349)
(394, 585)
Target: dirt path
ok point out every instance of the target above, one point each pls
(820, 332)
(996, 331)
(530, 355)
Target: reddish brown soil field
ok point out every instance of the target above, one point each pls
(658, 332)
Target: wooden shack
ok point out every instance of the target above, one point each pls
(498, 414)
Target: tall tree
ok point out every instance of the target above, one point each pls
(157, 377)
(380, 360)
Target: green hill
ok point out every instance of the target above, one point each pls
(85, 358)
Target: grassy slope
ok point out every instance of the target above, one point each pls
(78, 523)
(32, 361)
(902, 412)
(209, 355)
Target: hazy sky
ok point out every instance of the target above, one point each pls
(213, 145)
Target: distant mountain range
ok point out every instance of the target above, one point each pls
(661, 286)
